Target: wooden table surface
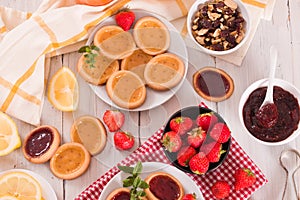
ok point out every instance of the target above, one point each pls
(282, 31)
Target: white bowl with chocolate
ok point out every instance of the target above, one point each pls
(218, 27)
(286, 127)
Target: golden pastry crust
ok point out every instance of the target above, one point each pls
(151, 196)
(126, 89)
(90, 132)
(151, 35)
(70, 161)
(44, 156)
(115, 192)
(208, 97)
(164, 71)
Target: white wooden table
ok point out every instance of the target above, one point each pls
(282, 31)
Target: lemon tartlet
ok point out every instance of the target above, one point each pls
(114, 42)
(164, 71)
(151, 35)
(90, 132)
(70, 161)
(101, 71)
(126, 89)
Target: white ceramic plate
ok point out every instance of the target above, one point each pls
(263, 83)
(47, 191)
(154, 98)
(148, 168)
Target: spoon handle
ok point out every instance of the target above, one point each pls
(273, 62)
(290, 191)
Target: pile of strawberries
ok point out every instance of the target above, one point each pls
(198, 142)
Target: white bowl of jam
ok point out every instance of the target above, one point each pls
(286, 98)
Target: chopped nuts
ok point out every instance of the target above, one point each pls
(218, 25)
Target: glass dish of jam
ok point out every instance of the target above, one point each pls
(286, 100)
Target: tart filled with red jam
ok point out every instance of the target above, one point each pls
(119, 194)
(41, 143)
(288, 115)
(163, 186)
(213, 84)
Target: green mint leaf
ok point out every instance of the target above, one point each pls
(143, 185)
(128, 181)
(126, 169)
(95, 48)
(141, 193)
(84, 49)
(136, 182)
(138, 168)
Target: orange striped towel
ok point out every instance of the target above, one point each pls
(26, 40)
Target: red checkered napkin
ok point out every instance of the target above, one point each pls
(152, 151)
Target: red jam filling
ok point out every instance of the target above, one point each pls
(39, 142)
(123, 195)
(212, 83)
(163, 187)
(288, 115)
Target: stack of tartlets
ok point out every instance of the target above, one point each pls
(142, 59)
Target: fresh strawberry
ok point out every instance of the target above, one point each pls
(181, 124)
(123, 140)
(221, 189)
(199, 163)
(171, 141)
(244, 178)
(189, 197)
(213, 151)
(184, 155)
(220, 132)
(113, 119)
(206, 120)
(196, 137)
(125, 18)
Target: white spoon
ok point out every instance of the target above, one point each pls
(267, 114)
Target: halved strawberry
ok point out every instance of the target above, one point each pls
(184, 155)
(199, 163)
(125, 18)
(213, 151)
(113, 119)
(181, 124)
(196, 137)
(220, 132)
(206, 120)
(171, 141)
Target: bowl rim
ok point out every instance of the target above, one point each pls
(245, 14)
(261, 83)
(169, 155)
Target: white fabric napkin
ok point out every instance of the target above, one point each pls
(58, 26)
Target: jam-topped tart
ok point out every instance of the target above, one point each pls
(41, 143)
(213, 84)
(163, 186)
(119, 194)
(70, 161)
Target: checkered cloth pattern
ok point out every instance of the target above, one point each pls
(152, 151)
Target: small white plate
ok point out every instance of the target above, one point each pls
(177, 46)
(47, 190)
(149, 167)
